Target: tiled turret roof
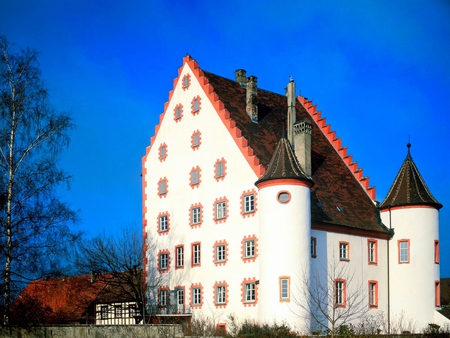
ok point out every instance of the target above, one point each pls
(284, 164)
(409, 188)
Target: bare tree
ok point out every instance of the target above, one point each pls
(120, 260)
(33, 220)
(333, 297)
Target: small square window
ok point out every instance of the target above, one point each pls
(221, 211)
(249, 248)
(195, 217)
(250, 292)
(104, 312)
(162, 186)
(195, 142)
(194, 177)
(164, 261)
(220, 253)
(249, 203)
(220, 169)
(196, 106)
(196, 254)
(344, 254)
(220, 295)
(118, 311)
(163, 223)
(163, 297)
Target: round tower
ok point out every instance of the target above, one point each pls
(284, 240)
(414, 277)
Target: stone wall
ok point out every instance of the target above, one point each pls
(95, 331)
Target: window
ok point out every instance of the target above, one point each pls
(180, 256)
(220, 169)
(339, 286)
(436, 251)
(118, 311)
(180, 297)
(196, 105)
(437, 293)
(221, 211)
(163, 297)
(163, 223)
(284, 197)
(249, 248)
(403, 251)
(249, 203)
(186, 81)
(372, 246)
(196, 140)
(133, 310)
(373, 294)
(250, 292)
(220, 253)
(162, 187)
(313, 247)
(284, 288)
(196, 254)
(195, 216)
(164, 261)
(162, 152)
(196, 296)
(344, 254)
(104, 312)
(220, 294)
(195, 177)
(178, 112)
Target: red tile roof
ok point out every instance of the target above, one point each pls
(409, 188)
(341, 201)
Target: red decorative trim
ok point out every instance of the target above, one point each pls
(194, 265)
(193, 206)
(344, 292)
(408, 207)
(249, 281)
(165, 251)
(224, 115)
(375, 296)
(221, 329)
(163, 194)
(350, 231)
(220, 178)
(199, 171)
(216, 244)
(409, 250)
(437, 293)
(186, 81)
(437, 251)
(245, 239)
(284, 181)
(180, 107)
(347, 251)
(218, 200)
(375, 251)
(337, 145)
(178, 266)
(195, 147)
(217, 284)
(199, 100)
(191, 295)
(161, 158)
(163, 233)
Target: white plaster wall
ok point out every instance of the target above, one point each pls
(181, 158)
(413, 284)
(285, 251)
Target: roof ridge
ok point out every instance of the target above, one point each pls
(337, 145)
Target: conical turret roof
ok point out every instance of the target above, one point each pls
(284, 164)
(409, 188)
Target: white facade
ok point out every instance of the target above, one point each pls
(225, 246)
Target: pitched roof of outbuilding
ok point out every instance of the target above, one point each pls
(341, 198)
(409, 187)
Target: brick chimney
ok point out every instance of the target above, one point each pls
(241, 77)
(251, 104)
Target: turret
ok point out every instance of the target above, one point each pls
(284, 238)
(413, 213)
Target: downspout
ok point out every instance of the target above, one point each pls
(388, 275)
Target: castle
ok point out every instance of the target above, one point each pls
(251, 206)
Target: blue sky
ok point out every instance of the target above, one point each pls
(378, 70)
